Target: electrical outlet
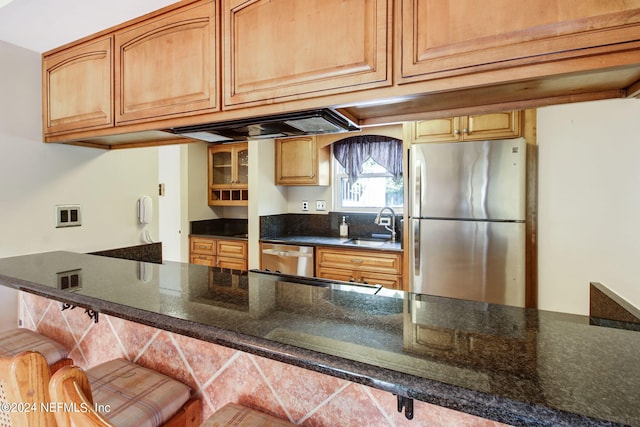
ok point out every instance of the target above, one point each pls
(70, 280)
(385, 221)
(68, 216)
(305, 205)
(321, 205)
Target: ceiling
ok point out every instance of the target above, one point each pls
(41, 25)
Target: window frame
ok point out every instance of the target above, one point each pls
(337, 185)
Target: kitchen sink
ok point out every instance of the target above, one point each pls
(371, 243)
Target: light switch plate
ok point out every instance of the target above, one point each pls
(68, 216)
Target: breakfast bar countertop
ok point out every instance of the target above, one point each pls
(513, 365)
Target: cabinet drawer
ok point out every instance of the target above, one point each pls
(203, 246)
(232, 249)
(391, 281)
(209, 260)
(335, 274)
(232, 263)
(372, 261)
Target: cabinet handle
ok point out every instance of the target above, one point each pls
(357, 261)
(203, 246)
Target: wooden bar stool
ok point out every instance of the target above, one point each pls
(121, 393)
(17, 340)
(234, 415)
(24, 382)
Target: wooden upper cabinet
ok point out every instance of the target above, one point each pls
(168, 65)
(299, 161)
(476, 127)
(441, 38)
(77, 87)
(292, 49)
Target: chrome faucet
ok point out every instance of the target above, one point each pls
(385, 221)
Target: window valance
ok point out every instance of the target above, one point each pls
(352, 152)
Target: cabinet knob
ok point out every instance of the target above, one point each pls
(465, 130)
(456, 132)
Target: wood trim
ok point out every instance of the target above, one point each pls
(531, 245)
(633, 91)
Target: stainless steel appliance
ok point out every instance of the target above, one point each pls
(311, 122)
(288, 259)
(467, 219)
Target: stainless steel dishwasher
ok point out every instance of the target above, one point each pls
(288, 259)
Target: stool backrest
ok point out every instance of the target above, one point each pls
(24, 380)
(70, 388)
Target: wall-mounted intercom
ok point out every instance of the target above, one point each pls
(145, 210)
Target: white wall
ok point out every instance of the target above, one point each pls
(589, 202)
(35, 177)
(265, 198)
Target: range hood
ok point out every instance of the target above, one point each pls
(276, 126)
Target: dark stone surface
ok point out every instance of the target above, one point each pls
(513, 365)
(324, 225)
(151, 252)
(606, 308)
(228, 227)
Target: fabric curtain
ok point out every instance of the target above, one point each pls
(352, 152)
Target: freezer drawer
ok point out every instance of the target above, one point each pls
(473, 260)
(288, 259)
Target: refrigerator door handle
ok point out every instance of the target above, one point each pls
(417, 258)
(417, 191)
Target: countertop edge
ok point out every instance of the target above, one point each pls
(477, 403)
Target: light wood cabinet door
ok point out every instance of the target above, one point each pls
(228, 170)
(492, 126)
(292, 49)
(299, 161)
(440, 38)
(477, 127)
(77, 86)
(167, 66)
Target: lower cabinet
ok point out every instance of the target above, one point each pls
(221, 253)
(371, 267)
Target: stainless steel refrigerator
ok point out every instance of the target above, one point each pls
(467, 220)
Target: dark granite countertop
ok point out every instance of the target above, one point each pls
(345, 242)
(517, 366)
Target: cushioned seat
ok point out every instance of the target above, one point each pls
(123, 394)
(17, 340)
(136, 396)
(234, 415)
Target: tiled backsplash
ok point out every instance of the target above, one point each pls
(219, 374)
(360, 225)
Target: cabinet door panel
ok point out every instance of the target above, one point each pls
(453, 36)
(492, 126)
(287, 48)
(168, 66)
(77, 87)
(437, 130)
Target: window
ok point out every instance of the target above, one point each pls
(374, 188)
(363, 178)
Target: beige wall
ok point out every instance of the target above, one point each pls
(589, 202)
(35, 177)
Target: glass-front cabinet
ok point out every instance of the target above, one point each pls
(229, 174)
